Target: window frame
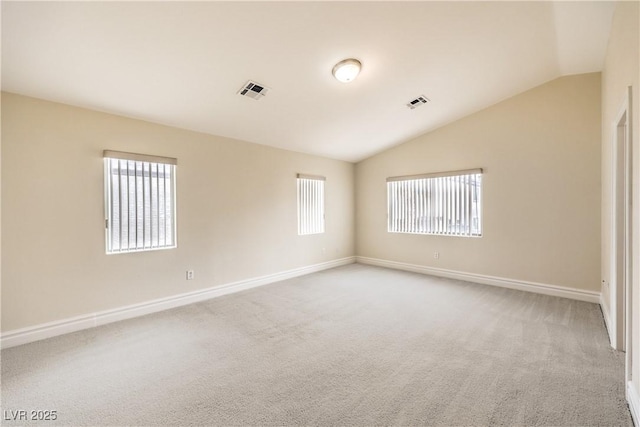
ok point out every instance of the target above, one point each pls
(311, 221)
(436, 204)
(150, 160)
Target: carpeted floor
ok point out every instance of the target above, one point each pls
(356, 345)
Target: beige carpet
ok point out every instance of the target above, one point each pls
(356, 345)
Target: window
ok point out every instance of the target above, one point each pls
(140, 202)
(448, 203)
(310, 204)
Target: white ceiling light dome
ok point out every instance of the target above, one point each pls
(347, 70)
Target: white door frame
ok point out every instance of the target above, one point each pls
(621, 259)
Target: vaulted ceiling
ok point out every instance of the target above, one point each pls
(182, 63)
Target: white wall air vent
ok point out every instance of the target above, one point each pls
(415, 103)
(253, 90)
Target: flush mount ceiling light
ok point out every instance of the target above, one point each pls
(347, 70)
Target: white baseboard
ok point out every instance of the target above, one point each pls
(607, 320)
(609, 323)
(539, 288)
(634, 402)
(52, 329)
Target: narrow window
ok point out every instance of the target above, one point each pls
(310, 204)
(448, 203)
(140, 206)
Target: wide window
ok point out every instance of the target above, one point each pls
(140, 203)
(310, 204)
(448, 203)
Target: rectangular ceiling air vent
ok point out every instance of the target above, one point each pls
(421, 100)
(253, 90)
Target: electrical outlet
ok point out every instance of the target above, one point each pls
(436, 255)
(189, 274)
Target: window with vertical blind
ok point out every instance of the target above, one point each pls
(447, 203)
(140, 202)
(310, 204)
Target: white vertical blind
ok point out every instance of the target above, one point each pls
(442, 204)
(310, 204)
(140, 202)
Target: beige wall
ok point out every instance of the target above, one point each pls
(236, 212)
(541, 154)
(621, 70)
